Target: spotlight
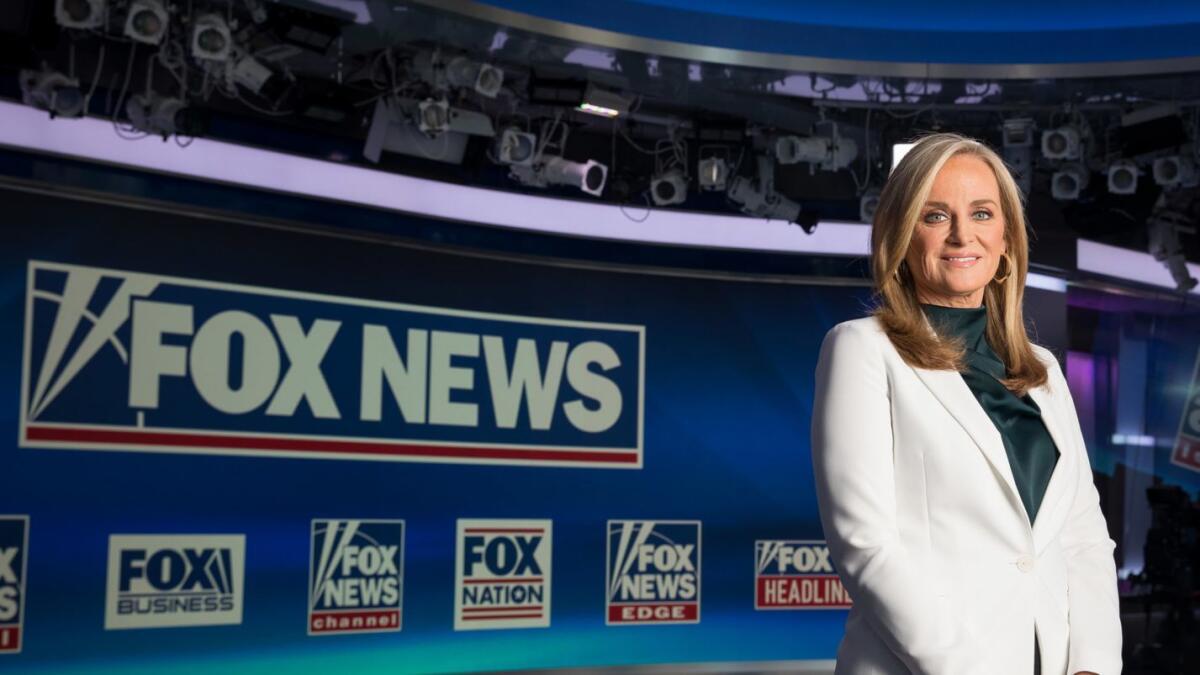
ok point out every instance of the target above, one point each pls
(604, 103)
(1163, 227)
(79, 13)
(757, 197)
(713, 174)
(164, 116)
(433, 116)
(516, 147)
(1175, 171)
(1061, 143)
(484, 78)
(1068, 182)
(1018, 150)
(1018, 133)
(1122, 177)
(53, 92)
(589, 176)
(832, 153)
(211, 38)
(668, 188)
(867, 205)
(146, 21)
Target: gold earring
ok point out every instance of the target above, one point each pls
(1007, 269)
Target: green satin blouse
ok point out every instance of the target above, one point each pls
(1031, 451)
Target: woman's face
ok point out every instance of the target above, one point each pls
(959, 238)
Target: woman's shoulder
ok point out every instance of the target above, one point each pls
(863, 327)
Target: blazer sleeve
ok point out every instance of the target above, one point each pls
(852, 454)
(1093, 606)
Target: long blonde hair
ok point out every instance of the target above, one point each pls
(898, 309)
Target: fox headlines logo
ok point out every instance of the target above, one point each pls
(160, 581)
(796, 574)
(653, 572)
(117, 360)
(14, 547)
(502, 574)
(356, 576)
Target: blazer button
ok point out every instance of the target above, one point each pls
(1025, 563)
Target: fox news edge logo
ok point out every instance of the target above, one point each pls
(653, 572)
(356, 576)
(14, 551)
(796, 574)
(502, 574)
(117, 360)
(159, 581)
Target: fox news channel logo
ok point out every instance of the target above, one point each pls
(160, 581)
(14, 548)
(653, 572)
(502, 574)
(131, 361)
(1187, 443)
(356, 576)
(796, 574)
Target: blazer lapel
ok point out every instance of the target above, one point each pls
(954, 394)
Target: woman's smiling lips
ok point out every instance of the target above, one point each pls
(961, 260)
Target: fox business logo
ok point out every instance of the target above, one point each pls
(14, 547)
(132, 361)
(356, 576)
(796, 574)
(502, 574)
(653, 572)
(159, 581)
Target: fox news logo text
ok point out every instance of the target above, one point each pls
(502, 574)
(14, 547)
(653, 572)
(1187, 442)
(796, 574)
(356, 576)
(157, 581)
(124, 360)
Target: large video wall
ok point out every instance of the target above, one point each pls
(236, 448)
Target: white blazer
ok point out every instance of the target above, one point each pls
(928, 532)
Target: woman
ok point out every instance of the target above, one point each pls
(953, 481)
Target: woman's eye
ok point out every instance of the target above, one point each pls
(982, 214)
(934, 217)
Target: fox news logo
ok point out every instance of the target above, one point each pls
(653, 571)
(124, 360)
(14, 545)
(796, 574)
(356, 576)
(157, 581)
(502, 574)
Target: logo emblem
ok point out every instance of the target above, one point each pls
(14, 547)
(653, 571)
(117, 360)
(356, 576)
(502, 574)
(1187, 443)
(796, 574)
(159, 581)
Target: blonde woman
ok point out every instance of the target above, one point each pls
(952, 477)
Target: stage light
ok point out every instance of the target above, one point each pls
(1061, 143)
(868, 204)
(1069, 181)
(1122, 177)
(1175, 171)
(669, 187)
(604, 103)
(713, 174)
(53, 92)
(484, 78)
(516, 147)
(211, 38)
(146, 22)
(1017, 136)
(79, 13)
(433, 116)
(164, 116)
(831, 153)
(589, 176)
(757, 196)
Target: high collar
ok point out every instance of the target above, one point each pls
(968, 323)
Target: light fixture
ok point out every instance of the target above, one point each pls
(53, 92)
(211, 38)
(669, 187)
(1061, 143)
(1122, 177)
(1175, 171)
(146, 22)
(1068, 182)
(712, 174)
(589, 176)
(830, 152)
(868, 204)
(484, 78)
(604, 103)
(433, 116)
(516, 147)
(164, 116)
(79, 13)
(1017, 137)
(757, 196)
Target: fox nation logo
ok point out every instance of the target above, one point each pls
(796, 574)
(356, 576)
(131, 361)
(14, 547)
(653, 572)
(159, 581)
(502, 574)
